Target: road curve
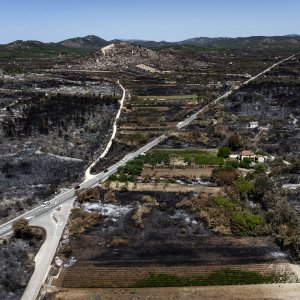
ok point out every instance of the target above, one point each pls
(54, 225)
(88, 170)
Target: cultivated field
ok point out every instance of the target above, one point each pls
(188, 172)
(258, 291)
(160, 276)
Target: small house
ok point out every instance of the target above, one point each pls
(253, 125)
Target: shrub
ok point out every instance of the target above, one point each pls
(245, 223)
(230, 165)
(80, 220)
(157, 157)
(224, 177)
(260, 168)
(235, 142)
(245, 163)
(224, 151)
(22, 229)
(243, 185)
(224, 202)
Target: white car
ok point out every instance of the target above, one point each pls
(46, 203)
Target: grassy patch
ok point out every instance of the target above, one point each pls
(219, 277)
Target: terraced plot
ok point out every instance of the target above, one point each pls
(162, 276)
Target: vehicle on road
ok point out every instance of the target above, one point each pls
(46, 203)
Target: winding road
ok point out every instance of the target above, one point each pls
(88, 171)
(42, 216)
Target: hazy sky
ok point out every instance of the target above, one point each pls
(171, 20)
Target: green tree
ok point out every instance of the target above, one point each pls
(260, 168)
(262, 184)
(224, 151)
(243, 185)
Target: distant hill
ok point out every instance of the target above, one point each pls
(87, 42)
(36, 49)
(80, 46)
(220, 42)
(243, 41)
(126, 55)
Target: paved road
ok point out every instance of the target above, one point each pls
(40, 214)
(195, 115)
(54, 224)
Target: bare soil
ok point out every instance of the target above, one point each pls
(188, 172)
(164, 187)
(262, 291)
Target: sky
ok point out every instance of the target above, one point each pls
(170, 20)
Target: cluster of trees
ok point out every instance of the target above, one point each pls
(31, 168)
(272, 205)
(43, 114)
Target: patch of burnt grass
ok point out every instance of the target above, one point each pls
(219, 277)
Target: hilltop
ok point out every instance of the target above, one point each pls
(88, 42)
(127, 55)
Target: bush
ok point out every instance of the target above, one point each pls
(243, 185)
(245, 163)
(262, 184)
(134, 167)
(224, 151)
(235, 142)
(80, 220)
(224, 177)
(230, 165)
(157, 157)
(22, 229)
(260, 168)
(245, 223)
(224, 202)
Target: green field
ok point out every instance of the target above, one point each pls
(219, 277)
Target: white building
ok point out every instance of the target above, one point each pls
(253, 124)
